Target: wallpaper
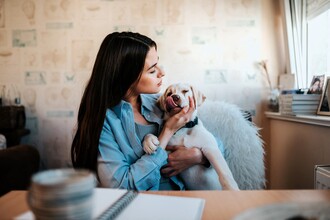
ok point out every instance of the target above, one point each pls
(48, 47)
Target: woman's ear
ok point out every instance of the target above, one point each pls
(198, 96)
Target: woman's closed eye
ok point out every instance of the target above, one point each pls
(153, 70)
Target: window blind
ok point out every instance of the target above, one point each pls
(316, 7)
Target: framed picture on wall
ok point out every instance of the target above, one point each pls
(324, 108)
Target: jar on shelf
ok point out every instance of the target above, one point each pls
(273, 100)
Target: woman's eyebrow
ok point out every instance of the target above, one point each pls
(152, 66)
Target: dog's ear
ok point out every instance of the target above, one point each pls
(161, 101)
(199, 97)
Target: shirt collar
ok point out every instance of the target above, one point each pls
(118, 109)
(147, 101)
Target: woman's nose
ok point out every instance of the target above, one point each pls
(161, 72)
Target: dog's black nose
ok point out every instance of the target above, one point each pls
(175, 97)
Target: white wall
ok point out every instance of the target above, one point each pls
(47, 49)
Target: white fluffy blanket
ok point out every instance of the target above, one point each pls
(243, 146)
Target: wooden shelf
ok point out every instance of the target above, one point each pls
(306, 119)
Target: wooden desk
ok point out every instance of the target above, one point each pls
(219, 204)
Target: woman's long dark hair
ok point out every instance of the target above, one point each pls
(118, 65)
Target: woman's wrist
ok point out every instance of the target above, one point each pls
(165, 136)
(169, 129)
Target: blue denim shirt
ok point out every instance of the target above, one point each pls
(122, 162)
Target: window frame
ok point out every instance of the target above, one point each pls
(295, 14)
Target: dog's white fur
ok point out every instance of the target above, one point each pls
(197, 177)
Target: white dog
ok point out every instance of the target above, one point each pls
(194, 134)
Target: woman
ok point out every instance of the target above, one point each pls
(118, 108)
(315, 88)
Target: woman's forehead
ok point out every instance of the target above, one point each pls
(152, 58)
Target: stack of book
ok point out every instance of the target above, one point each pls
(299, 104)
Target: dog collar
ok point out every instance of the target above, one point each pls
(191, 123)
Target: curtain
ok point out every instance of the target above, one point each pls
(295, 22)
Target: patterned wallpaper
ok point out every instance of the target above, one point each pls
(47, 49)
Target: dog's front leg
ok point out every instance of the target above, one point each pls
(150, 143)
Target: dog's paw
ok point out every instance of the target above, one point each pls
(150, 143)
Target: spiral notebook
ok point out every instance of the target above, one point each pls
(125, 205)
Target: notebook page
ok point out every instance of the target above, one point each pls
(160, 207)
(144, 206)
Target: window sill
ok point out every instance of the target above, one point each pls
(306, 119)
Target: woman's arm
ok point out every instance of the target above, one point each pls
(181, 158)
(175, 122)
(121, 165)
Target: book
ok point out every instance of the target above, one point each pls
(285, 112)
(292, 91)
(292, 111)
(300, 97)
(293, 104)
(118, 206)
(300, 107)
(300, 102)
(125, 205)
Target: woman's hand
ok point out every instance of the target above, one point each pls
(175, 122)
(180, 119)
(181, 158)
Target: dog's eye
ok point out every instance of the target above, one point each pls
(169, 94)
(185, 91)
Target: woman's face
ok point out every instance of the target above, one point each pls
(316, 85)
(151, 77)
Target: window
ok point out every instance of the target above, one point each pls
(318, 45)
(308, 38)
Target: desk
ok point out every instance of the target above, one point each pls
(219, 204)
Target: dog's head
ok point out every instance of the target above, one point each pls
(176, 96)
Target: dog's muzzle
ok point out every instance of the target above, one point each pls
(173, 103)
